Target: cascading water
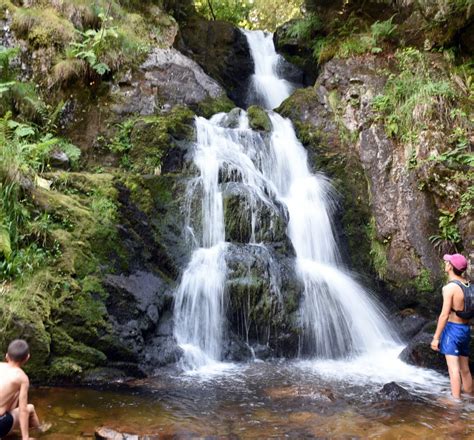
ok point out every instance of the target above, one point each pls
(267, 89)
(338, 316)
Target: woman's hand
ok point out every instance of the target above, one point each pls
(435, 344)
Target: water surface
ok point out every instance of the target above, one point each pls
(324, 399)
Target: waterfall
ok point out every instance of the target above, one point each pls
(339, 318)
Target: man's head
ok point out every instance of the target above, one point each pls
(18, 351)
(456, 262)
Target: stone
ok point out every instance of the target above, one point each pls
(58, 159)
(418, 352)
(270, 219)
(105, 433)
(263, 294)
(393, 391)
(221, 49)
(410, 325)
(167, 77)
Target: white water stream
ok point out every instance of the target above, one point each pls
(340, 319)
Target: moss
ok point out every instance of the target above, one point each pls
(65, 368)
(6, 5)
(43, 27)
(423, 283)
(378, 251)
(69, 70)
(212, 106)
(152, 137)
(259, 119)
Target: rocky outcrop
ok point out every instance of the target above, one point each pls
(221, 49)
(418, 352)
(167, 78)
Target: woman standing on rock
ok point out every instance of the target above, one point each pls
(453, 333)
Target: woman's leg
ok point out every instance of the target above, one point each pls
(466, 377)
(454, 375)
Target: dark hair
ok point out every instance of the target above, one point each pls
(18, 350)
(457, 271)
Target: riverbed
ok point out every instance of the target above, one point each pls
(260, 400)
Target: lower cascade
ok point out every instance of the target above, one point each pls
(338, 317)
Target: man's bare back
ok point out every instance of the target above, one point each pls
(11, 380)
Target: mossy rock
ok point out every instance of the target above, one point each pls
(259, 119)
(211, 106)
(63, 345)
(154, 140)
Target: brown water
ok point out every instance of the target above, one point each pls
(260, 401)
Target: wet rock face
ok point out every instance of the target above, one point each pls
(249, 219)
(263, 299)
(222, 51)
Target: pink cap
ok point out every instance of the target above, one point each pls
(457, 260)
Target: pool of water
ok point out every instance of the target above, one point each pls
(305, 399)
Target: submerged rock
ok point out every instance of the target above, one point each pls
(105, 433)
(393, 391)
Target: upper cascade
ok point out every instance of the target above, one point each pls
(268, 89)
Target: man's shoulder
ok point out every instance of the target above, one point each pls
(16, 374)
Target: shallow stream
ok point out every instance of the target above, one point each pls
(300, 399)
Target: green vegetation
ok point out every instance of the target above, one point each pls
(341, 38)
(142, 142)
(378, 251)
(448, 237)
(414, 97)
(422, 283)
(251, 14)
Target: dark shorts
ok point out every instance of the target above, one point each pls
(6, 424)
(455, 339)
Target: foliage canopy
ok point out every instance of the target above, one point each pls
(251, 14)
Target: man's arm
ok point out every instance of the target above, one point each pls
(444, 316)
(23, 408)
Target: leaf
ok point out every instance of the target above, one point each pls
(24, 131)
(376, 50)
(5, 243)
(101, 68)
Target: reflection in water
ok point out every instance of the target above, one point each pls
(261, 400)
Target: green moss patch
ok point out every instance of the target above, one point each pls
(259, 119)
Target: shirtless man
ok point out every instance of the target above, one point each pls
(453, 334)
(15, 411)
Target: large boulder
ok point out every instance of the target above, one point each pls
(221, 49)
(165, 79)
